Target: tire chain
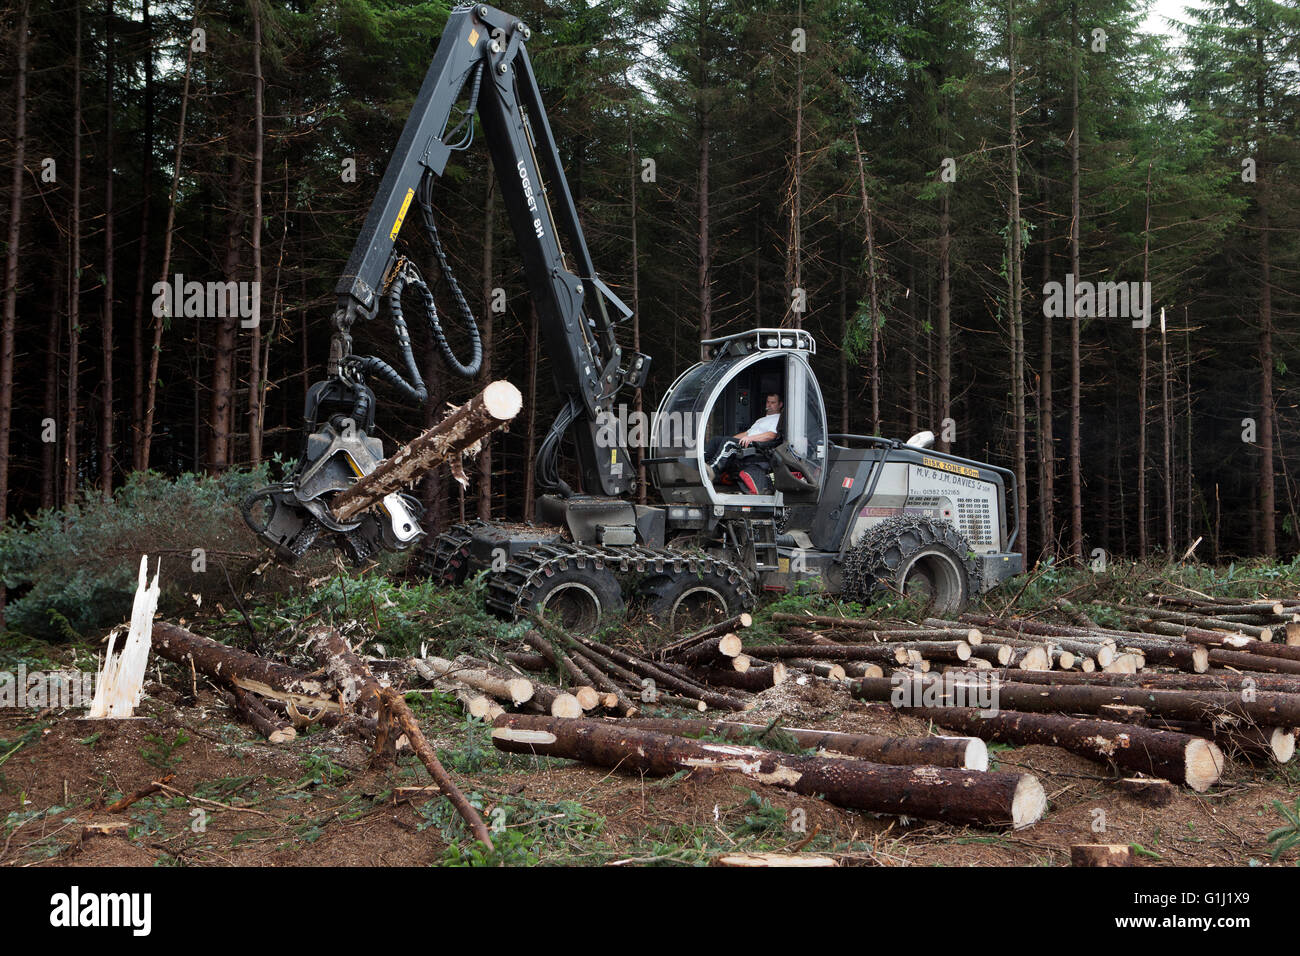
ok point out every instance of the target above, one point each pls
(512, 589)
(869, 568)
(433, 560)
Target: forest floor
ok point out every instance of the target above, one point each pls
(235, 799)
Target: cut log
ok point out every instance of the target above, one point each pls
(802, 860)
(1266, 709)
(1190, 760)
(483, 678)
(1212, 680)
(529, 662)
(1252, 662)
(940, 651)
(557, 658)
(967, 753)
(1152, 791)
(665, 680)
(254, 712)
(1031, 659)
(755, 679)
(876, 653)
(932, 793)
(730, 625)
(713, 651)
(588, 697)
(862, 669)
(1197, 620)
(458, 434)
(992, 653)
(622, 703)
(1124, 664)
(828, 670)
(228, 664)
(1271, 743)
(801, 635)
(1101, 854)
(741, 663)
(824, 620)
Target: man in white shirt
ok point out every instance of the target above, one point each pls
(762, 430)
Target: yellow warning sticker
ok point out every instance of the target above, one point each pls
(406, 204)
(613, 456)
(473, 38)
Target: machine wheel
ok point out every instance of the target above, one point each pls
(443, 558)
(577, 599)
(913, 556)
(686, 600)
(575, 586)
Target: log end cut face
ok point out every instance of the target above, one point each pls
(1204, 761)
(1029, 802)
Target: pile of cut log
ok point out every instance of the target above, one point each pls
(1165, 695)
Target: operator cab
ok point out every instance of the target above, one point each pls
(723, 396)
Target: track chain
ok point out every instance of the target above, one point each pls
(512, 589)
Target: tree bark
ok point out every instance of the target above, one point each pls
(1268, 709)
(872, 290)
(1184, 759)
(455, 435)
(962, 753)
(7, 330)
(142, 264)
(752, 679)
(70, 464)
(1015, 283)
(106, 329)
(1076, 446)
(485, 453)
(256, 372)
(160, 320)
(956, 796)
(231, 665)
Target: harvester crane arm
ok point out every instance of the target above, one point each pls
(483, 50)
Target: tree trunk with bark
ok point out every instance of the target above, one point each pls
(1076, 445)
(256, 372)
(484, 508)
(161, 316)
(956, 796)
(106, 328)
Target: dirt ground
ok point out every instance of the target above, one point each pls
(235, 799)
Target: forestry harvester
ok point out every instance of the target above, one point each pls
(857, 514)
